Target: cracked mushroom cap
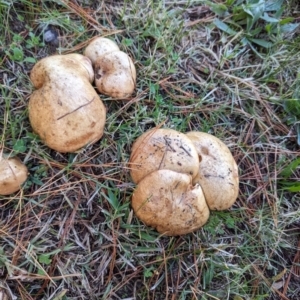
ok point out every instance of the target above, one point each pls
(65, 110)
(13, 173)
(98, 47)
(168, 201)
(217, 171)
(162, 148)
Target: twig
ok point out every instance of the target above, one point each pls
(83, 105)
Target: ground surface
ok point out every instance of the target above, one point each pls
(226, 68)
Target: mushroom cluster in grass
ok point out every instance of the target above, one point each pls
(65, 110)
(13, 173)
(115, 73)
(180, 178)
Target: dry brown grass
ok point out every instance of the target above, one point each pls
(70, 232)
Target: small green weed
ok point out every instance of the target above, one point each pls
(292, 107)
(16, 52)
(254, 22)
(289, 180)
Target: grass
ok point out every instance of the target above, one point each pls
(70, 232)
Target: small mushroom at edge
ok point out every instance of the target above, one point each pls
(13, 173)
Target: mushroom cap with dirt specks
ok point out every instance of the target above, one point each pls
(162, 148)
(218, 171)
(167, 201)
(65, 110)
(13, 173)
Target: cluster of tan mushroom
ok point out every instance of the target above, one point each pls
(180, 178)
(65, 110)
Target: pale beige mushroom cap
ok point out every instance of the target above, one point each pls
(217, 171)
(48, 67)
(13, 173)
(65, 110)
(167, 201)
(98, 47)
(115, 75)
(159, 149)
